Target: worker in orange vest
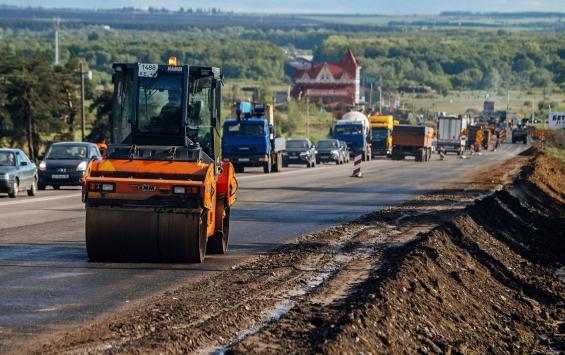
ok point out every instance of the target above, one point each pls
(102, 146)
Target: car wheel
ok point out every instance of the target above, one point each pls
(40, 187)
(15, 189)
(33, 189)
(56, 187)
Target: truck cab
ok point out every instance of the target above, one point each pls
(249, 138)
(381, 134)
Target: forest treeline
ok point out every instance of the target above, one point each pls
(443, 60)
(456, 60)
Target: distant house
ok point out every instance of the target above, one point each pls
(295, 63)
(334, 85)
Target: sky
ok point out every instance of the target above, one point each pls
(398, 7)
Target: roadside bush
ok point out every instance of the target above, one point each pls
(556, 138)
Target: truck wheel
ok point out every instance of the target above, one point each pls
(285, 163)
(277, 167)
(218, 243)
(417, 156)
(267, 166)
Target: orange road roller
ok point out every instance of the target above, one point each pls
(161, 193)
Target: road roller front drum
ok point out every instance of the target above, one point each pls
(145, 234)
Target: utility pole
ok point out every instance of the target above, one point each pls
(371, 97)
(88, 75)
(56, 26)
(380, 99)
(308, 117)
(82, 101)
(507, 100)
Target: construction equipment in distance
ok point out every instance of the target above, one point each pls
(162, 193)
(381, 137)
(449, 134)
(249, 138)
(521, 132)
(413, 141)
(355, 130)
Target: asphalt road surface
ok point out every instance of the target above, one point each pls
(47, 282)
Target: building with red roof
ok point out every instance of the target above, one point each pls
(334, 85)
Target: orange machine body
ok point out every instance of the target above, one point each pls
(142, 180)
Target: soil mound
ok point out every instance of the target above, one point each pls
(485, 282)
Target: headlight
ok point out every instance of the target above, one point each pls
(43, 165)
(334, 152)
(82, 166)
(304, 154)
(4, 176)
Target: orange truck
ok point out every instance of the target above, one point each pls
(162, 192)
(413, 141)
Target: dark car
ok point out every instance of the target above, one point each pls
(17, 173)
(65, 164)
(329, 150)
(345, 151)
(299, 151)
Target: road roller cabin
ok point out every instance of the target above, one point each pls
(162, 193)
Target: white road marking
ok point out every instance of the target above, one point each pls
(39, 199)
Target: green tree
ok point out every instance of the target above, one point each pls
(102, 108)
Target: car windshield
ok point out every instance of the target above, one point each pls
(7, 159)
(349, 130)
(327, 144)
(245, 129)
(297, 144)
(71, 152)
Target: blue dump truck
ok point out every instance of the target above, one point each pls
(355, 130)
(248, 138)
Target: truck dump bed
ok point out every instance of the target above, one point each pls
(413, 136)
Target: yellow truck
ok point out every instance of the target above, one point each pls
(381, 134)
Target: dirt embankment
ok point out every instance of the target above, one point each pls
(484, 282)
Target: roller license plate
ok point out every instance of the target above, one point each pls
(59, 176)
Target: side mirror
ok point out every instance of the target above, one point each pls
(23, 163)
(41, 157)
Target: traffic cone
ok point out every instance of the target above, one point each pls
(357, 165)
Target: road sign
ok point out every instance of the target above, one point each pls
(556, 120)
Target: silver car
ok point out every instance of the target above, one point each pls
(17, 173)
